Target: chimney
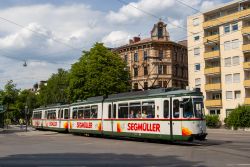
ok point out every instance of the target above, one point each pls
(137, 39)
(131, 41)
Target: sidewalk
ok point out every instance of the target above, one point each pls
(227, 131)
(15, 128)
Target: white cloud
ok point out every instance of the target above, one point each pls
(208, 5)
(116, 38)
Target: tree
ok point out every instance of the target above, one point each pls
(56, 89)
(26, 98)
(98, 72)
(9, 96)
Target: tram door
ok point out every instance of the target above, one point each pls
(175, 115)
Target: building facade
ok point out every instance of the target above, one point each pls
(156, 61)
(219, 56)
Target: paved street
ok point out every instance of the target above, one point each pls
(44, 148)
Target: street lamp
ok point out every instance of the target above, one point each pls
(26, 118)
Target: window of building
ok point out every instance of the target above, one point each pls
(159, 69)
(235, 27)
(236, 77)
(197, 82)
(196, 37)
(227, 62)
(145, 70)
(135, 72)
(216, 96)
(228, 78)
(160, 54)
(160, 32)
(126, 58)
(216, 47)
(165, 84)
(135, 57)
(145, 55)
(196, 22)
(235, 44)
(136, 86)
(227, 45)
(166, 109)
(229, 95)
(226, 29)
(160, 84)
(197, 67)
(236, 60)
(145, 85)
(237, 94)
(214, 112)
(196, 51)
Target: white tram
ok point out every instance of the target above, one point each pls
(165, 114)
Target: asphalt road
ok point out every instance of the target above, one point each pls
(44, 148)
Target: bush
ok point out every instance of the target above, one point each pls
(239, 117)
(213, 121)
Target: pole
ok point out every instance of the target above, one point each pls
(26, 119)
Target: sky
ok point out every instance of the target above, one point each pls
(51, 34)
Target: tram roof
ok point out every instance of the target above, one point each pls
(153, 93)
(52, 106)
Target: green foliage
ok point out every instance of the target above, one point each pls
(213, 121)
(98, 72)
(56, 89)
(239, 117)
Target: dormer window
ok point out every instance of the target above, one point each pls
(160, 31)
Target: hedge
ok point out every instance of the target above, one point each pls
(239, 117)
(213, 121)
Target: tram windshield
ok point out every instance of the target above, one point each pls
(192, 108)
(198, 107)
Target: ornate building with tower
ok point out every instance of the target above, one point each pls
(156, 61)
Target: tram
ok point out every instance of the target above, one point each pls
(166, 114)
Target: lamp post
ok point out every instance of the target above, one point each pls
(26, 118)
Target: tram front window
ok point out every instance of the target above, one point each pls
(198, 107)
(187, 108)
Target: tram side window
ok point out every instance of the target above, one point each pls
(123, 110)
(166, 109)
(176, 112)
(87, 112)
(148, 109)
(109, 112)
(135, 110)
(51, 114)
(80, 113)
(94, 110)
(66, 113)
(74, 113)
(114, 111)
(61, 113)
(187, 108)
(46, 115)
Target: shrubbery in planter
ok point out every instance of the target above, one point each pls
(213, 121)
(239, 117)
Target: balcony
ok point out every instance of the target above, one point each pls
(212, 71)
(212, 54)
(247, 83)
(247, 101)
(211, 38)
(213, 103)
(246, 48)
(246, 65)
(225, 19)
(213, 87)
(245, 30)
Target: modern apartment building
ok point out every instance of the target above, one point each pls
(156, 61)
(219, 56)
